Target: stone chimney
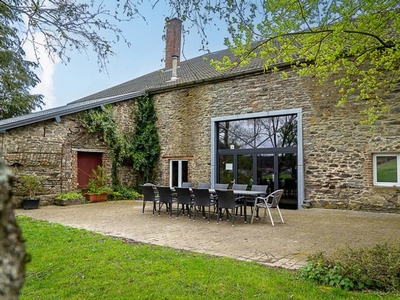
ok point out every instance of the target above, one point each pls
(173, 42)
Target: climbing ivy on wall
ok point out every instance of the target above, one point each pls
(101, 120)
(145, 148)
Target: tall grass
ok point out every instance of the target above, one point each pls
(68, 263)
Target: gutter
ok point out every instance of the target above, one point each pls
(68, 109)
(223, 77)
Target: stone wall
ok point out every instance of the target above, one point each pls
(50, 150)
(184, 131)
(337, 148)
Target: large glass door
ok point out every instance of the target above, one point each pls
(260, 151)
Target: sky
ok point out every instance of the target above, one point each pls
(61, 84)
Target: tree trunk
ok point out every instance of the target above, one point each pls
(12, 249)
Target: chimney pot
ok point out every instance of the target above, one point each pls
(174, 75)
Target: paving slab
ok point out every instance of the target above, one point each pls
(285, 245)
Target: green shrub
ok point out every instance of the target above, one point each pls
(123, 193)
(374, 268)
(69, 195)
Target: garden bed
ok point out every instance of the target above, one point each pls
(67, 202)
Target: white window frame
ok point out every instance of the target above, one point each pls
(375, 169)
(179, 170)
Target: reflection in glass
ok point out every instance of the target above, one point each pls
(265, 169)
(387, 169)
(245, 169)
(270, 132)
(264, 151)
(225, 169)
(288, 174)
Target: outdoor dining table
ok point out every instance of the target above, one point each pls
(237, 192)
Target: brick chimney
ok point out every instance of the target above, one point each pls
(173, 41)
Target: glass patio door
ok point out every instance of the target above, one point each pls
(236, 169)
(226, 169)
(259, 151)
(178, 172)
(244, 170)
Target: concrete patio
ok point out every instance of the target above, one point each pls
(286, 245)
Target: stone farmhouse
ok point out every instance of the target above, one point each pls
(244, 125)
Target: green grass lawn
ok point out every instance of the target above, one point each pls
(68, 263)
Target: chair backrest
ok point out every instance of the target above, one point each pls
(260, 188)
(201, 197)
(226, 199)
(165, 194)
(221, 186)
(239, 187)
(148, 192)
(187, 184)
(274, 198)
(204, 185)
(183, 195)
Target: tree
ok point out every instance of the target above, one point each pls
(356, 39)
(64, 25)
(58, 27)
(16, 75)
(12, 249)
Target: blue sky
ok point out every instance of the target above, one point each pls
(81, 77)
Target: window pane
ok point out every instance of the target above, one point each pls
(225, 169)
(269, 132)
(175, 172)
(276, 132)
(265, 169)
(386, 169)
(237, 134)
(245, 169)
(288, 174)
(185, 177)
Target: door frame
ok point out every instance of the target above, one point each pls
(300, 159)
(180, 170)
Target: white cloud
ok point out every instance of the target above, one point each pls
(45, 71)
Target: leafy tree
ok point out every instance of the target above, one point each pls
(58, 26)
(356, 39)
(16, 75)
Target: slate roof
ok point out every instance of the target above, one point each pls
(190, 72)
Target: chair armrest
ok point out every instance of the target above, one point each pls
(262, 200)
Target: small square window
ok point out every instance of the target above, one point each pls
(386, 169)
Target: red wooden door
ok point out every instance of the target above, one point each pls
(86, 162)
